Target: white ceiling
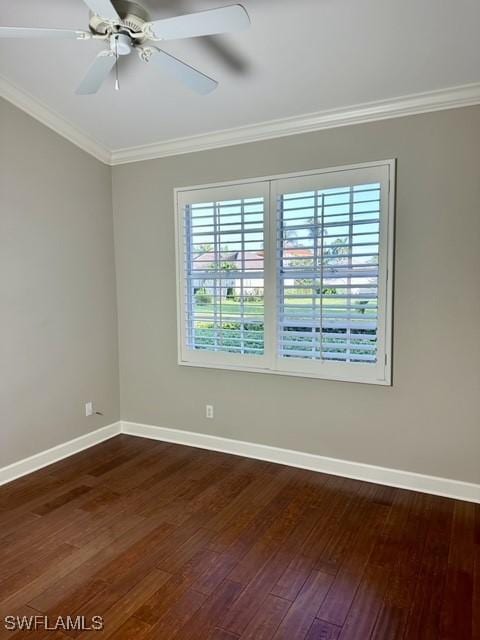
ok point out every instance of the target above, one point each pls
(299, 57)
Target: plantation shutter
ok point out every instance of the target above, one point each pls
(289, 274)
(224, 258)
(328, 272)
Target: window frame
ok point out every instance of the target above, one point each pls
(271, 362)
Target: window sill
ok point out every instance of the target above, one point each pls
(364, 379)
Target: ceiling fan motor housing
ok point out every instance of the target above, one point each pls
(133, 17)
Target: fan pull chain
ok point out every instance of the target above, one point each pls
(117, 83)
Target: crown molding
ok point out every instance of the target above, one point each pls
(50, 118)
(438, 100)
(450, 98)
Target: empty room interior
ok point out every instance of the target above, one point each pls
(240, 320)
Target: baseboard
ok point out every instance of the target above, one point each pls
(357, 470)
(44, 458)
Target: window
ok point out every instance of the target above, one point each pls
(289, 274)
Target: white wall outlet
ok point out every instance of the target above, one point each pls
(209, 411)
(89, 409)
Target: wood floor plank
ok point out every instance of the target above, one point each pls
(404, 559)
(246, 538)
(321, 630)
(345, 527)
(215, 498)
(370, 599)
(46, 532)
(355, 559)
(460, 575)
(294, 577)
(132, 628)
(88, 563)
(39, 634)
(302, 612)
(81, 463)
(220, 634)
(107, 522)
(18, 624)
(157, 606)
(140, 467)
(288, 586)
(34, 569)
(180, 612)
(167, 542)
(119, 612)
(13, 513)
(258, 495)
(24, 490)
(424, 617)
(366, 606)
(267, 619)
(327, 514)
(10, 526)
(168, 484)
(222, 566)
(476, 594)
(97, 551)
(208, 616)
(271, 539)
(254, 594)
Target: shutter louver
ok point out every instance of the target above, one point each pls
(224, 267)
(290, 275)
(328, 274)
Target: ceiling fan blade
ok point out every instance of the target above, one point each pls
(203, 23)
(27, 32)
(103, 64)
(189, 76)
(104, 9)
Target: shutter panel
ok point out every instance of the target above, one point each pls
(224, 253)
(328, 245)
(289, 274)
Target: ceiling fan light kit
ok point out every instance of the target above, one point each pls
(126, 26)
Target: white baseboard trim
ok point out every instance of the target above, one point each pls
(357, 470)
(44, 458)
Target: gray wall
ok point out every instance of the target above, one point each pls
(58, 335)
(429, 421)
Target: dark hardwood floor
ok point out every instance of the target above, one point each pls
(170, 542)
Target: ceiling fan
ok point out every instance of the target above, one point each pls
(126, 27)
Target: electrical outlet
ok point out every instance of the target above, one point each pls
(89, 409)
(209, 411)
